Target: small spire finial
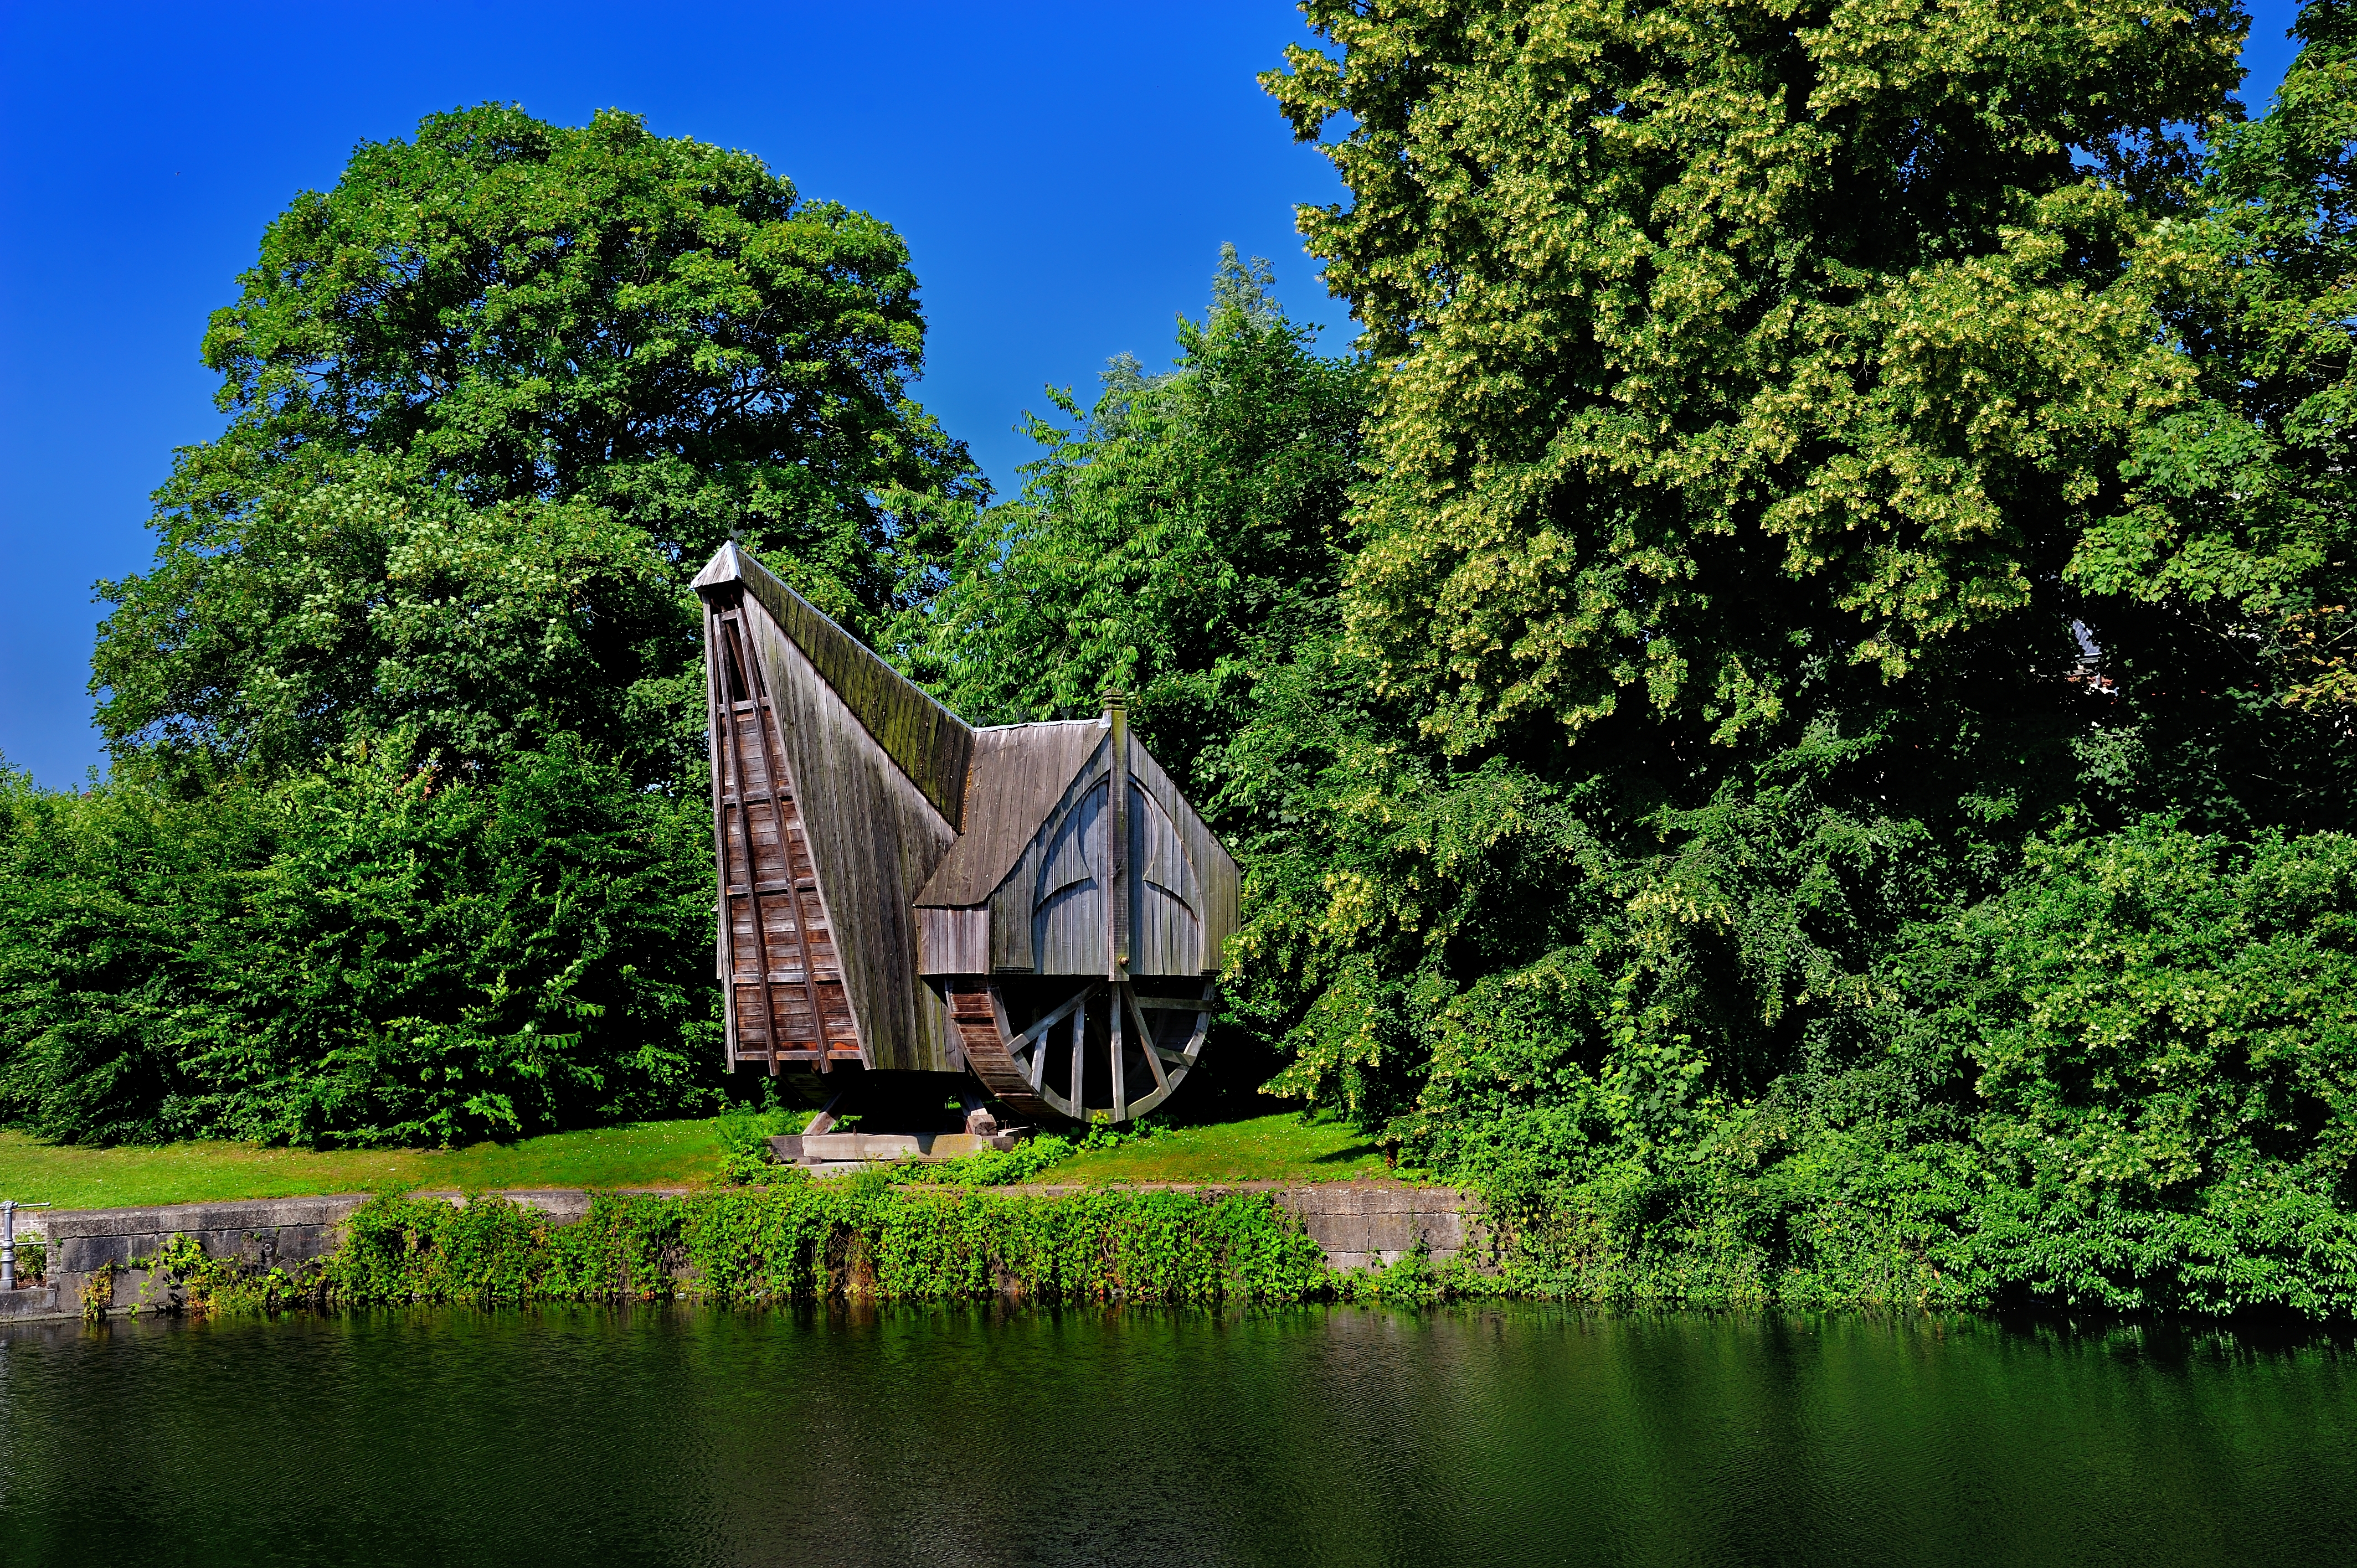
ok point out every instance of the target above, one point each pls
(1114, 701)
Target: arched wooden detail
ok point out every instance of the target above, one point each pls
(1169, 938)
(787, 1005)
(1072, 927)
(1087, 1050)
(1070, 922)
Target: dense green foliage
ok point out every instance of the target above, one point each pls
(405, 837)
(1788, 710)
(354, 955)
(618, 347)
(1798, 557)
(1799, 790)
(1183, 542)
(868, 1238)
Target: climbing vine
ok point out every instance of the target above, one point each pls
(868, 1238)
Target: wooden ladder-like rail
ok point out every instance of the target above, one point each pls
(741, 706)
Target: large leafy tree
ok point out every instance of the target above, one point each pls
(403, 842)
(1183, 539)
(1723, 337)
(660, 339)
(2221, 590)
(1833, 464)
(365, 609)
(1748, 376)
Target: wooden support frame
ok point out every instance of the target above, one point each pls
(894, 882)
(742, 707)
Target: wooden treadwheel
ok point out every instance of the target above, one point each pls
(1085, 1050)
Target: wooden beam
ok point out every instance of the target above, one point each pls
(772, 761)
(1116, 1022)
(1145, 1038)
(771, 1023)
(1116, 708)
(724, 923)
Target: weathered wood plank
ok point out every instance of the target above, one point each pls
(873, 837)
(930, 745)
(1220, 881)
(953, 941)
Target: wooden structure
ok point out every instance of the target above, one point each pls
(1034, 905)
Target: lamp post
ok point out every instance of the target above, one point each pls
(8, 1207)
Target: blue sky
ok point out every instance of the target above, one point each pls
(1064, 177)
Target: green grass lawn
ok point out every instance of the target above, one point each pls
(649, 1154)
(1281, 1147)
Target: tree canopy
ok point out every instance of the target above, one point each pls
(1849, 511)
(1182, 539)
(1788, 708)
(405, 835)
(1722, 340)
(626, 346)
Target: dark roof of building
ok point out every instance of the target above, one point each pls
(1017, 775)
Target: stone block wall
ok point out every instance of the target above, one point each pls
(1358, 1226)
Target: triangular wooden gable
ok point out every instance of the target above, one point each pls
(863, 776)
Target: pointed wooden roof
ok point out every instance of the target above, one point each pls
(1017, 775)
(930, 743)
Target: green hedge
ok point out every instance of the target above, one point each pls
(866, 1237)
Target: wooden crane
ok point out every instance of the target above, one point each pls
(1036, 906)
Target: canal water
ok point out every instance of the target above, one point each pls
(1341, 1436)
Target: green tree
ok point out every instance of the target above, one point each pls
(657, 335)
(363, 608)
(1183, 539)
(1833, 469)
(406, 838)
(355, 954)
(1717, 339)
(1747, 380)
(2230, 559)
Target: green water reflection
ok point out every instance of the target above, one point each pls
(1342, 1436)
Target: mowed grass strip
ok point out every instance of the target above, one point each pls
(1282, 1147)
(646, 1154)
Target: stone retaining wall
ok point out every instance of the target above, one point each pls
(1359, 1225)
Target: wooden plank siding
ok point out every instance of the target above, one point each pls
(926, 742)
(786, 998)
(1015, 900)
(953, 941)
(1017, 774)
(874, 839)
(1219, 879)
(1048, 914)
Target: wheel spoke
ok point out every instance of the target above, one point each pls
(1037, 1032)
(1146, 1041)
(1117, 1023)
(1128, 1020)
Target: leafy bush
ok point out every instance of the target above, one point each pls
(359, 955)
(2123, 1082)
(795, 1239)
